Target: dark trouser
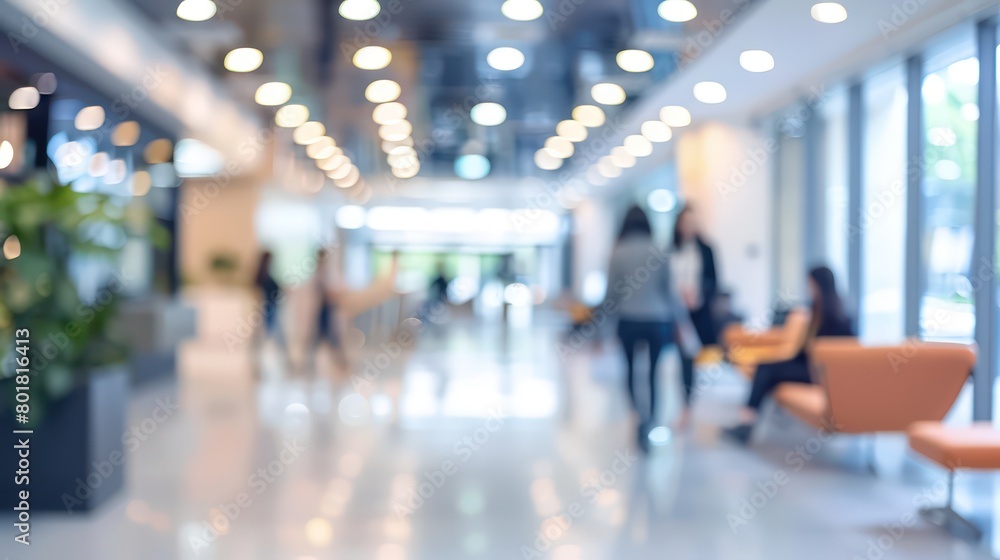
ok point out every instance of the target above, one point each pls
(702, 320)
(656, 334)
(769, 376)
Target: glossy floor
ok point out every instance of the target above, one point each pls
(479, 442)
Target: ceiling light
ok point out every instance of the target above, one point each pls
(402, 156)
(574, 131)
(360, 10)
(382, 91)
(24, 98)
(126, 134)
(273, 93)
(388, 113)
(709, 92)
(349, 180)
(334, 161)
(158, 151)
(607, 168)
(6, 154)
(634, 60)
(372, 58)
(244, 59)
(608, 94)
(488, 114)
(309, 132)
(828, 12)
(405, 172)
(522, 10)
(340, 172)
(638, 146)
(472, 166)
(11, 247)
(756, 61)
(559, 147)
(677, 11)
(661, 200)
(656, 131)
(621, 158)
(387, 146)
(291, 116)
(505, 59)
(324, 147)
(546, 160)
(196, 10)
(590, 116)
(89, 118)
(675, 116)
(46, 83)
(396, 131)
(350, 217)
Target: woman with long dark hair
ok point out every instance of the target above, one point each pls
(828, 318)
(693, 264)
(649, 310)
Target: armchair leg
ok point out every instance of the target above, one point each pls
(949, 519)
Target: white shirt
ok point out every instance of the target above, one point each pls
(686, 267)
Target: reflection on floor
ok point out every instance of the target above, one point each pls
(476, 442)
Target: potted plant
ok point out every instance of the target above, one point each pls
(66, 340)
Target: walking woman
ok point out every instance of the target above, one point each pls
(649, 309)
(693, 265)
(828, 318)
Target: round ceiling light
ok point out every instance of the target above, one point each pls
(126, 134)
(675, 116)
(638, 146)
(388, 113)
(547, 161)
(472, 166)
(622, 158)
(828, 12)
(388, 147)
(661, 200)
(590, 116)
(574, 131)
(403, 156)
(656, 131)
(505, 59)
(405, 172)
(349, 180)
(677, 11)
(334, 161)
(360, 10)
(324, 147)
(608, 94)
(634, 60)
(756, 61)
(89, 118)
(244, 59)
(291, 116)
(24, 98)
(709, 92)
(488, 114)
(309, 132)
(6, 154)
(559, 147)
(396, 131)
(196, 10)
(606, 167)
(273, 93)
(382, 91)
(522, 10)
(372, 58)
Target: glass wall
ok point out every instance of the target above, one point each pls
(833, 196)
(950, 115)
(789, 240)
(883, 207)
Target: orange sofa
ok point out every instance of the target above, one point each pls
(746, 349)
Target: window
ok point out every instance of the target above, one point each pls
(833, 194)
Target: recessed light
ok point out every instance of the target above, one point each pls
(324, 147)
(709, 92)
(291, 116)
(607, 168)
(656, 131)
(677, 11)
(196, 10)
(675, 116)
(505, 59)
(574, 131)
(6, 154)
(388, 113)
(634, 60)
(621, 157)
(638, 146)
(522, 10)
(309, 132)
(89, 118)
(472, 166)
(608, 94)
(546, 160)
(273, 93)
(372, 58)
(828, 12)
(488, 114)
(360, 10)
(24, 98)
(559, 147)
(244, 59)
(382, 91)
(396, 131)
(661, 200)
(756, 61)
(590, 116)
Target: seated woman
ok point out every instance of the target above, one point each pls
(828, 319)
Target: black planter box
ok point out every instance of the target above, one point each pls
(76, 453)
